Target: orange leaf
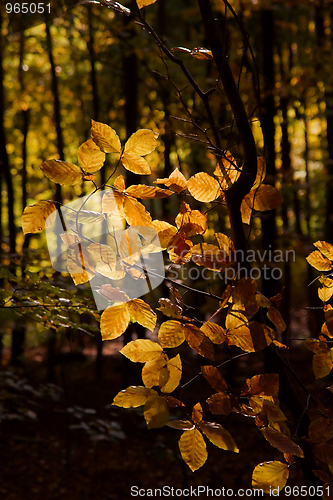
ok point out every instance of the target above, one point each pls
(282, 442)
(214, 378)
(176, 181)
(203, 187)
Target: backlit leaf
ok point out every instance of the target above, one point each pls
(174, 368)
(34, 216)
(218, 436)
(170, 309)
(265, 197)
(181, 425)
(325, 248)
(190, 222)
(80, 264)
(61, 172)
(165, 232)
(253, 337)
(270, 475)
(135, 164)
(147, 192)
(113, 294)
(225, 243)
(265, 384)
(227, 172)
(318, 261)
(219, 404)
(141, 350)
(203, 187)
(275, 317)
(282, 442)
(136, 213)
(198, 341)
(156, 412)
(105, 137)
(151, 371)
(85, 217)
(114, 321)
(176, 181)
(261, 172)
(144, 3)
(90, 157)
(214, 378)
(171, 334)
(142, 313)
(133, 396)
(197, 413)
(192, 447)
(210, 256)
(322, 364)
(141, 143)
(214, 332)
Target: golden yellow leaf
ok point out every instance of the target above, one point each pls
(265, 197)
(107, 262)
(85, 217)
(165, 232)
(270, 476)
(219, 404)
(265, 384)
(321, 430)
(318, 261)
(142, 350)
(135, 213)
(70, 239)
(61, 172)
(156, 412)
(227, 172)
(251, 338)
(171, 334)
(89, 177)
(152, 369)
(114, 321)
(322, 364)
(202, 53)
(90, 157)
(129, 245)
(275, 317)
(244, 291)
(169, 308)
(269, 411)
(225, 243)
(198, 341)
(144, 3)
(113, 204)
(193, 449)
(325, 248)
(179, 249)
(119, 183)
(135, 164)
(181, 425)
(176, 181)
(113, 294)
(34, 216)
(214, 378)
(141, 143)
(133, 396)
(261, 172)
(147, 192)
(142, 313)
(174, 375)
(203, 187)
(210, 256)
(246, 208)
(282, 442)
(190, 222)
(219, 436)
(81, 265)
(197, 413)
(235, 319)
(214, 332)
(105, 137)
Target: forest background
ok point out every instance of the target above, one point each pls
(96, 63)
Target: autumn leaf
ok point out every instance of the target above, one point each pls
(203, 187)
(197, 413)
(147, 192)
(141, 350)
(90, 157)
(105, 137)
(325, 248)
(113, 294)
(144, 3)
(318, 261)
(80, 264)
(156, 412)
(133, 396)
(321, 430)
(265, 197)
(141, 143)
(190, 222)
(227, 171)
(214, 332)
(261, 172)
(142, 313)
(282, 442)
(34, 217)
(173, 369)
(169, 308)
(322, 364)
(151, 371)
(135, 213)
(251, 338)
(61, 172)
(219, 436)
(275, 317)
(171, 334)
(181, 425)
(192, 447)
(198, 341)
(209, 256)
(269, 476)
(214, 378)
(176, 181)
(219, 404)
(114, 321)
(265, 384)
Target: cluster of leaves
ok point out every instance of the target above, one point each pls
(240, 302)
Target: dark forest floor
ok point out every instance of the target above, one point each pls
(71, 444)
